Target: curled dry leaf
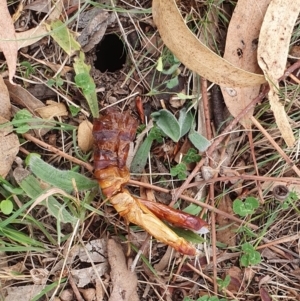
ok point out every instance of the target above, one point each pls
(192, 53)
(272, 54)
(85, 136)
(8, 44)
(241, 51)
(124, 281)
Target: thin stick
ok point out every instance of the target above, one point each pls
(276, 146)
(55, 150)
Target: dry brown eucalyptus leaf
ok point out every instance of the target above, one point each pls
(85, 137)
(123, 280)
(272, 54)
(241, 51)
(23, 98)
(192, 53)
(8, 44)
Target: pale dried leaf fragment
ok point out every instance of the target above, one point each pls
(53, 109)
(124, 281)
(8, 44)
(272, 54)
(5, 105)
(24, 293)
(192, 53)
(85, 136)
(241, 51)
(9, 142)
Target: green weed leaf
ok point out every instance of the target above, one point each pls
(140, 159)
(6, 206)
(86, 83)
(167, 122)
(32, 188)
(173, 82)
(179, 170)
(247, 207)
(199, 141)
(223, 283)
(191, 156)
(63, 37)
(58, 178)
(250, 256)
(185, 121)
(22, 115)
(192, 209)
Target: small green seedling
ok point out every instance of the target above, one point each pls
(55, 81)
(180, 169)
(21, 121)
(250, 256)
(191, 156)
(74, 110)
(223, 283)
(29, 69)
(247, 207)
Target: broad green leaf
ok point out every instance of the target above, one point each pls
(63, 37)
(185, 121)
(166, 121)
(173, 82)
(199, 141)
(20, 237)
(33, 189)
(140, 159)
(6, 206)
(58, 178)
(86, 83)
